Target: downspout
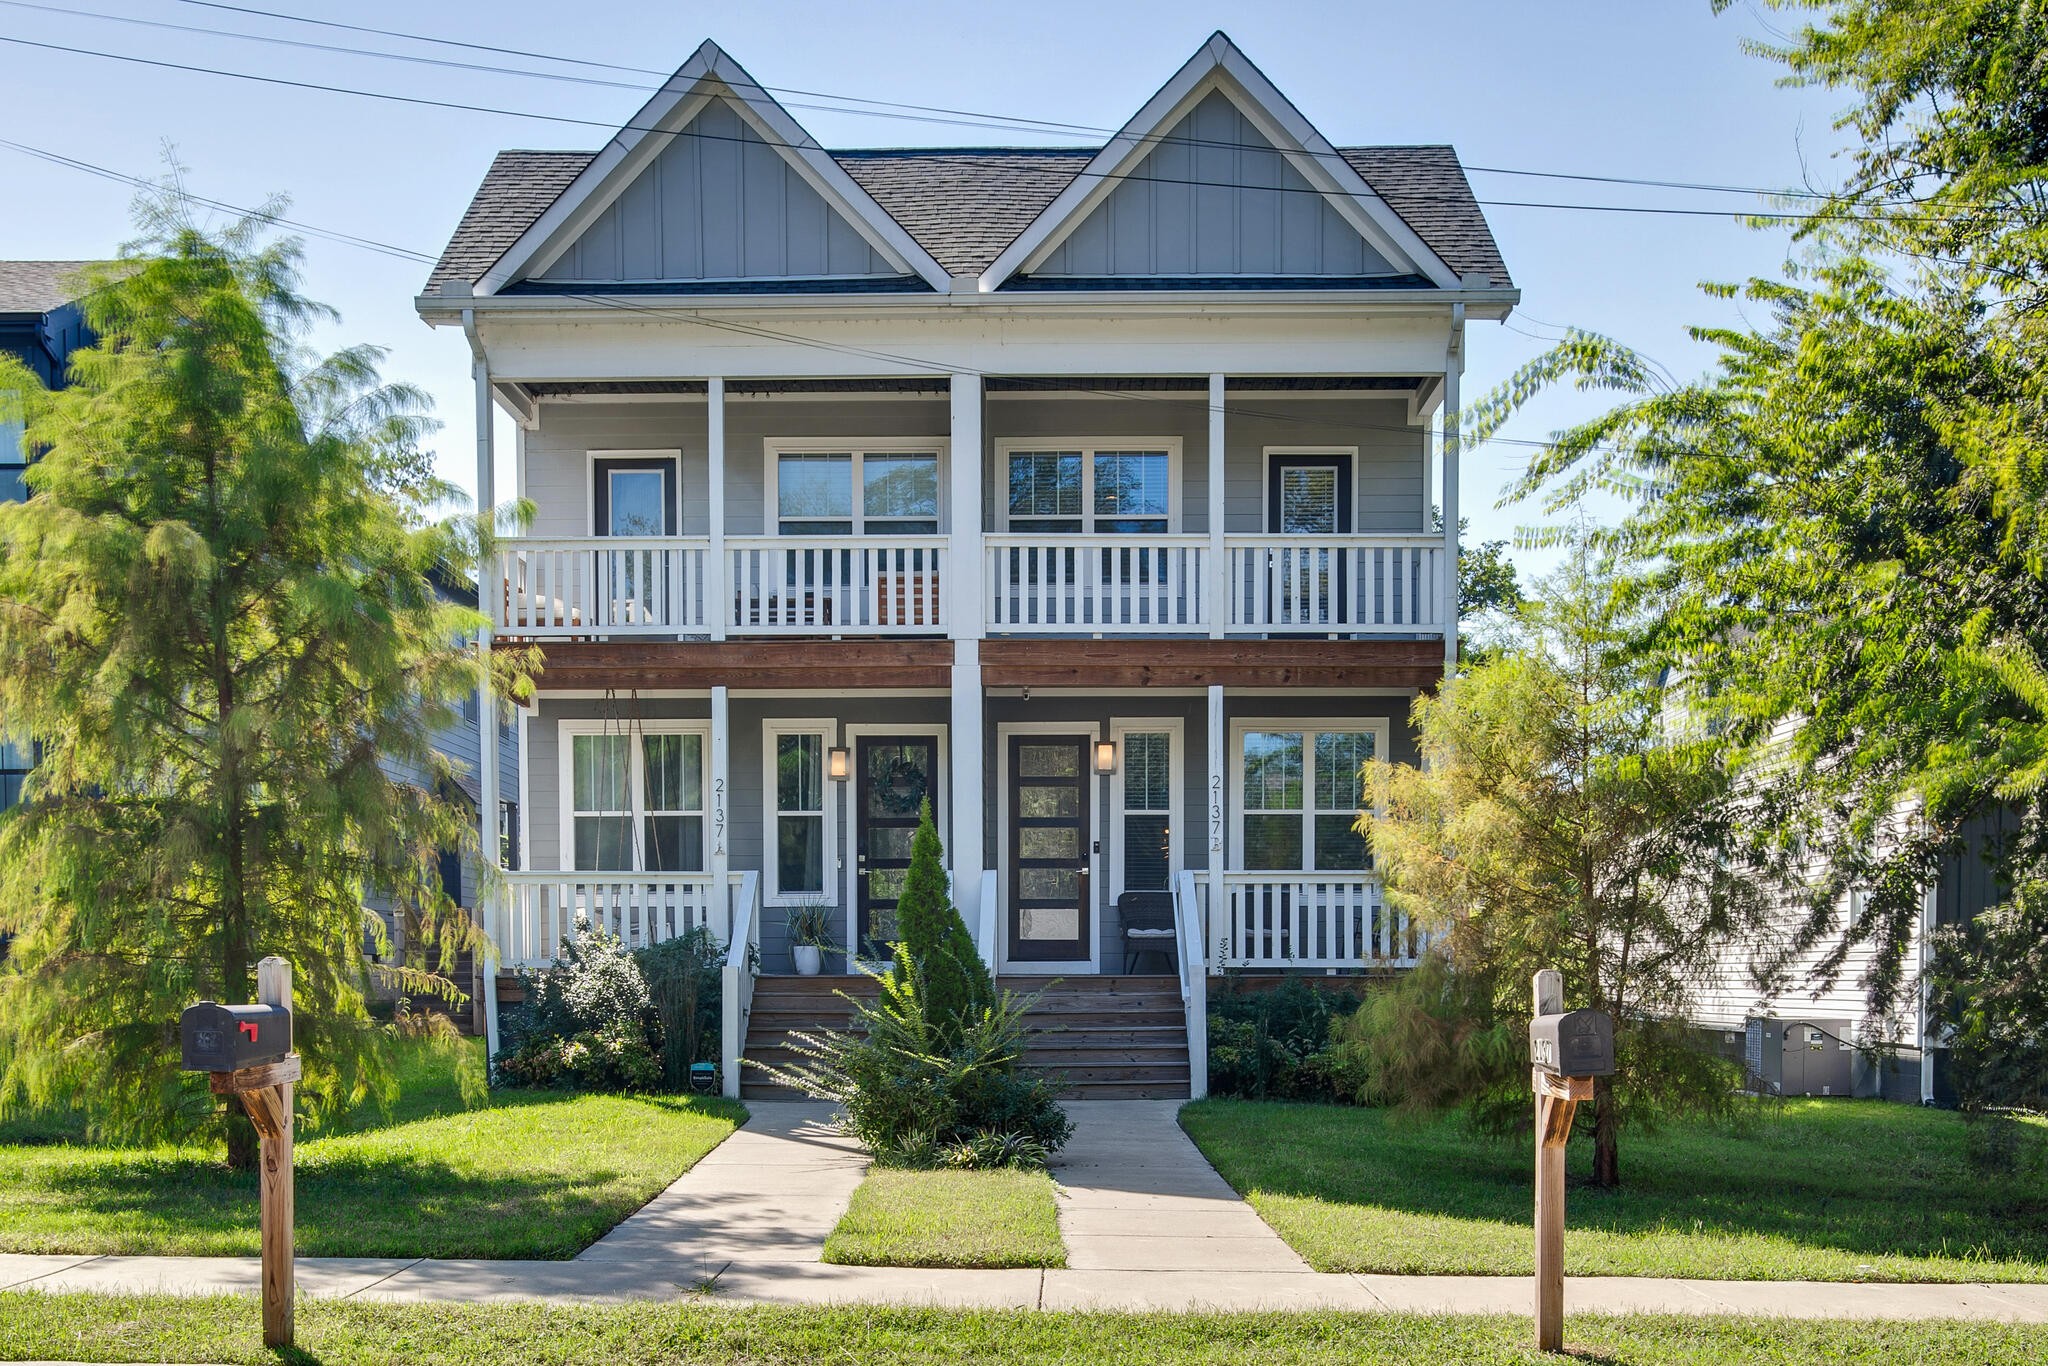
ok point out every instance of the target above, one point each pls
(487, 890)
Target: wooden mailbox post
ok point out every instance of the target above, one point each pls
(1567, 1049)
(248, 1051)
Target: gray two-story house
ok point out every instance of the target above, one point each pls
(1086, 494)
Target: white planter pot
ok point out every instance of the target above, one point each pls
(810, 959)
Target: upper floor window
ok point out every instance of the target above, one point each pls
(855, 491)
(15, 762)
(1082, 488)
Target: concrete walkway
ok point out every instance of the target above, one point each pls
(1148, 1225)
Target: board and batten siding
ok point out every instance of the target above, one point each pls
(718, 203)
(1214, 197)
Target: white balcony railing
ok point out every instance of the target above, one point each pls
(1117, 584)
(1311, 920)
(836, 585)
(1348, 585)
(602, 585)
(534, 912)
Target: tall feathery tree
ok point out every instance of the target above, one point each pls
(219, 628)
(1849, 512)
(1559, 819)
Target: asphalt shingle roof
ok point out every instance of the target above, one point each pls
(964, 205)
(37, 286)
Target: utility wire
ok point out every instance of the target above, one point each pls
(880, 109)
(1761, 215)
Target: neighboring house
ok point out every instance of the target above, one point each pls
(1085, 494)
(1805, 1039)
(41, 325)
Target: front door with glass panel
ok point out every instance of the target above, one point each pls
(1308, 494)
(1049, 850)
(633, 496)
(894, 776)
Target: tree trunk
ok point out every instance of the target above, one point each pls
(1606, 1135)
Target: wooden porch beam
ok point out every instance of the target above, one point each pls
(1207, 663)
(585, 665)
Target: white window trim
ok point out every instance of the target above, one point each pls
(636, 790)
(1090, 447)
(1381, 730)
(859, 448)
(942, 809)
(672, 454)
(772, 729)
(1176, 731)
(1096, 901)
(1266, 454)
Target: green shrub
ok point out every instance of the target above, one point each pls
(1276, 1045)
(615, 1058)
(590, 1022)
(910, 1092)
(685, 986)
(956, 986)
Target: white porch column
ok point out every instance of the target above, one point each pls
(966, 606)
(717, 593)
(962, 595)
(489, 595)
(719, 806)
(1219, 787)
(966, 780)
(1219, 566)
(1454, 369)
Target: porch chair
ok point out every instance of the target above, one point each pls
(1148, 926)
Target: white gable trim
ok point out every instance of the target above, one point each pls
(1219, 65)
(709, 74)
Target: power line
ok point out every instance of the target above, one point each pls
(420, 100)
(877, 108)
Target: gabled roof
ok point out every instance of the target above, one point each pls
(708, 75)
(38, 286)
(962, 208)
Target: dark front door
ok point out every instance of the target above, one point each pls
(1308, 494)
(1049, 895)
(896, 775)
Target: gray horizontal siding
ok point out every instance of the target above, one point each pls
(718, 203)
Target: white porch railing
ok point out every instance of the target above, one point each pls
(836, 585)
(1194, 979)
(736, 1000)
(1311, 920)
(534, 912)
(1125, 584)
(598, 585)
(1350, 585)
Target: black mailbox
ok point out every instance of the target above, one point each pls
(1577, 1043)
(222, 1038)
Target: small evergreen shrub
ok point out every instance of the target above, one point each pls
(956, 985)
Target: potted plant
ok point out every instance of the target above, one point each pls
(810, 935)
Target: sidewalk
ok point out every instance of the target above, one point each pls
(1147, 1222)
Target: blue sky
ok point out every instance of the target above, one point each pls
(1659, 90)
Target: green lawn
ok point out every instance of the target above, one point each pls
(450, 1172)
(1806, 1190)
(980, 1219)
(96, 1328)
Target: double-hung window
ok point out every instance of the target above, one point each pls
(855, 490)
(1300, 794)
(1147, 765)
(13, 453)
(15, 762)
(1082, 488)
(799, 811)
(636, 798)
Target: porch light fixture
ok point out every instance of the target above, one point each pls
(838, 766)
(1105, 758)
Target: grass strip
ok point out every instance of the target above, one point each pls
(1831, 1190)
(224, 1329)
(949, 1219)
